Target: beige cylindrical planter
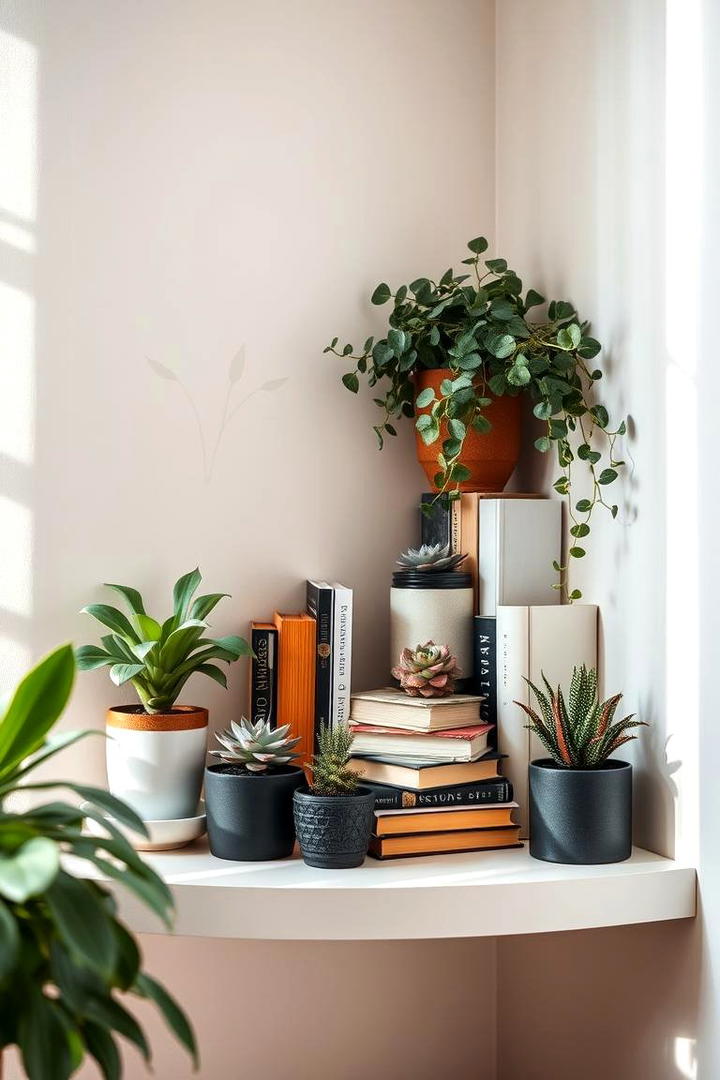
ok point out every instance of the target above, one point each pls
(155, 761)
(426, 606)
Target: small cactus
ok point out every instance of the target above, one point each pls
(331, 775)
(428, 670)
(258, 747)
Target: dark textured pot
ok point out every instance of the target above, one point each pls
(250, 818)
(334, 830)
(581, 816)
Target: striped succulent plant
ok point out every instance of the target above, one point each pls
(579, 733)
(159, 658)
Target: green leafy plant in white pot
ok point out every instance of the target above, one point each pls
(156, 750)
(68, 964)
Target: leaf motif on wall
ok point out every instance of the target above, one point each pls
(161, 370)
(237, 365)
(273, 384)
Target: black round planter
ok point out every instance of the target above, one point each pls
(334, 830)
(250, 817)
(581, 816)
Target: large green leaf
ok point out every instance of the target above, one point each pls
(132, 596)
(30, 870)
(182, 594)
(82, 922)
(43, 1038)
(203, 605)
(9, 778)
(149, 628)
(179, 643)
(127, 968)
(101, 1045)
(122, 673)
(213, 672)
(114, 619)
(90, 657)
(9, 940)
(176, 1019)
(110, 1013)
(35, 706)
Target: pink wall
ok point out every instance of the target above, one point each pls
(195, 178)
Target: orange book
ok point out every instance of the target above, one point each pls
(393, 847)
(441, 819)
(296, 680)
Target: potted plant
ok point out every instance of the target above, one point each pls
(67, 961)
(248, 795)
(580, 799)
(459, 354)
(334, 816)
(156, 753)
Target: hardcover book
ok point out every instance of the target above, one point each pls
(388, 797)
(485, 668)
(419, 776)
(263, 673)
(441, 819)
(296, 679)
(394, 708)
(457, 523)
(394, 847)
(518, 541)
(455, 744)
(320, 608)
(533, 641)
(342, 652)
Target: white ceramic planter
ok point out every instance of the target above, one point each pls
(155, 762)
(434, 614)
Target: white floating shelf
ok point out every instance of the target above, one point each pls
(487, 894)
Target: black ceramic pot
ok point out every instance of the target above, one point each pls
(334, 830)
(250, 817)
(580, 816)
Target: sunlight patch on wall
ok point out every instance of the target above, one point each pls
(17, 371)
(683, 178)
(18, 123)
(15, 557)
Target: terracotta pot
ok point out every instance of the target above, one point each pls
(155, 761)
(491, 458)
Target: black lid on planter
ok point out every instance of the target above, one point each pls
(429, 579)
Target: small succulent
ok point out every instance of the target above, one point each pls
(428, 670)
(258, 747)
(331, 775)
(579, 733)
(430, 557)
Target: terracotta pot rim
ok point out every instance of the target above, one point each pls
(181, 718)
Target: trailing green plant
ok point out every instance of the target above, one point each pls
(158, 658)
(66, 960)
(580, 732)
(478, 325)
(258, 747)
(331, 775)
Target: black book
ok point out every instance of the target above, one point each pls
(388, 797)
(320, 608)
(485, 670)
(263, 674)
(435, 521)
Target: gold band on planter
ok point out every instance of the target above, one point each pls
(182, 718)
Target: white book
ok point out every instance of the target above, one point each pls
(532, 640)
(518, 541)
(342, 652)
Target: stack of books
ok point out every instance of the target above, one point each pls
(436, 781)
(300, 674)
(521, 629)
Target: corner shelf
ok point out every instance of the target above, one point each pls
(487, 894)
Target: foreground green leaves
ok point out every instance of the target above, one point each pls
(158, 658)
(65, 958)
(479, 327)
